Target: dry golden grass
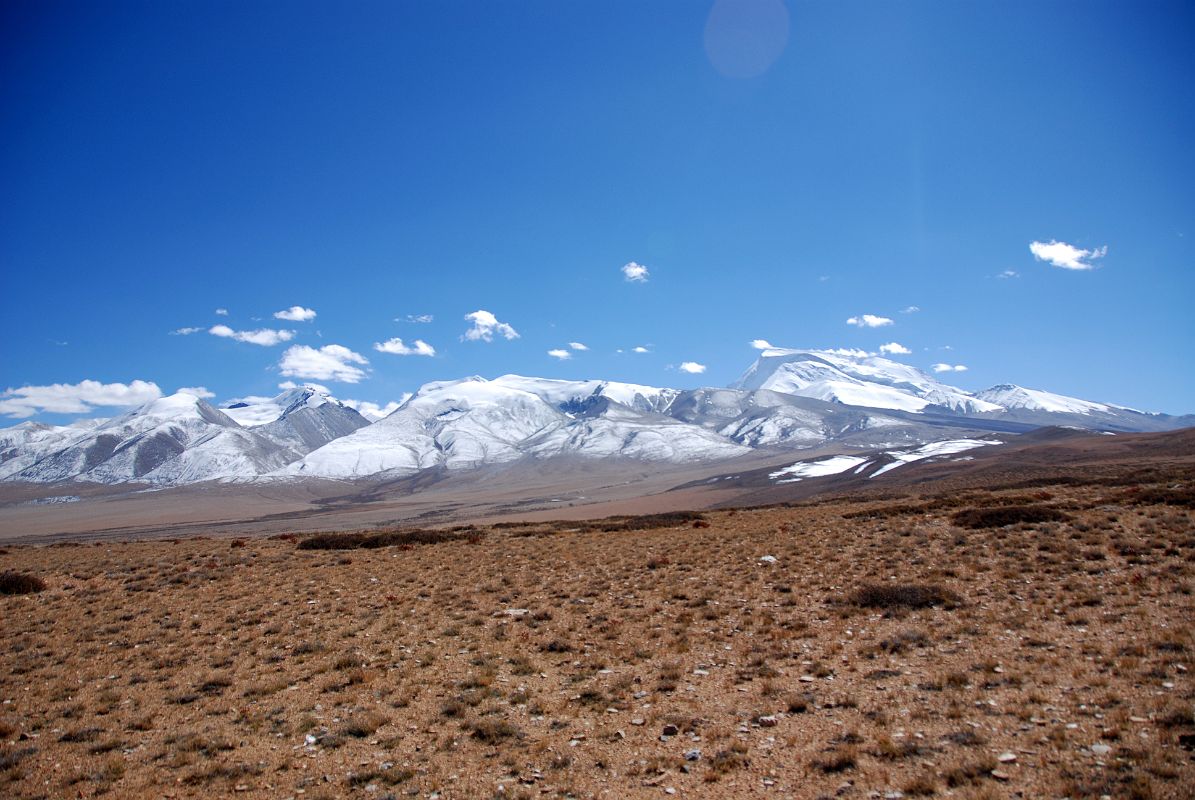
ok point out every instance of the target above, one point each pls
(885, 650)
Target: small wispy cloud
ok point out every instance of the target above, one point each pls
(296, 314)
(578, 346)
(199, 391)
(635, 273)
(75, 398)
(331, 362)
(185, 331)
(396, 347)
(640, 349)
(1009, 273)
(949, 368)
(761, 344)
(561, 354)
(485, 325)
(1066, 256)
(910, 309)
(691, 367)
(895, 349)
(374, 411)
(417, 318)
(319, 387)
(221, 312)
(869, 321)
(265, 337)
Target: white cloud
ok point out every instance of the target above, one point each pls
(577, 346)
(869, 321)
(396, 347)
(636, 273)
(692, 367)
(1009, 273)
(331, 362)
(296, 314)
(485, 325)
(319, 387)
(372, 411)
(949, 368)
(77, 398)
(910, 309)
(198, 391)
(893, 348)
(265, 337)
(184, 331)
(640, 349)
(419, 318)
(1066, 256)
(761, 344)
(562, 354)
(221, 312)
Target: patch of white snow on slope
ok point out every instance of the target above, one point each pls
(930, 451)
(816, 469)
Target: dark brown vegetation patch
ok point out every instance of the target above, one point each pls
(643, 522)
(374, 539)
(903, 595)
(1000, 516)
(20, 583)
(1162, 496)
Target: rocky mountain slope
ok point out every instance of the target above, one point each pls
(787, 400)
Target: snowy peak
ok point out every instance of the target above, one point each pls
(253, 411)
(856, 378)
(174, 439)
(470, 422)
(1012, 397)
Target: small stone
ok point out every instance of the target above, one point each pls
(806, 679)
(638, 721)
(1006, 758)
(1000, 776)
(768, 559)
(240, 787)
(701, 672)
(768, 721)
(1101, 749)
(693, 755)
(670, 730)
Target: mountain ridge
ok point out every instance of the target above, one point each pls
(788, 400)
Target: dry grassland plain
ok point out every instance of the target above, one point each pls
(1016, 643)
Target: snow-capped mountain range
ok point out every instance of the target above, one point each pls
(787, 400)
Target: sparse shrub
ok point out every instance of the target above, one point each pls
(20, 583)
(1183, 496)
(81, 735)
(492, 731)
(839, 759)
(969, 772)
(903, 640)
(363, 725)
(724, 761)
(905, 595)
(387, 538)
(976, 518)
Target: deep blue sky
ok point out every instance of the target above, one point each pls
(375, 160)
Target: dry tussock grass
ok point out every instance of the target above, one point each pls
(622, 657)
